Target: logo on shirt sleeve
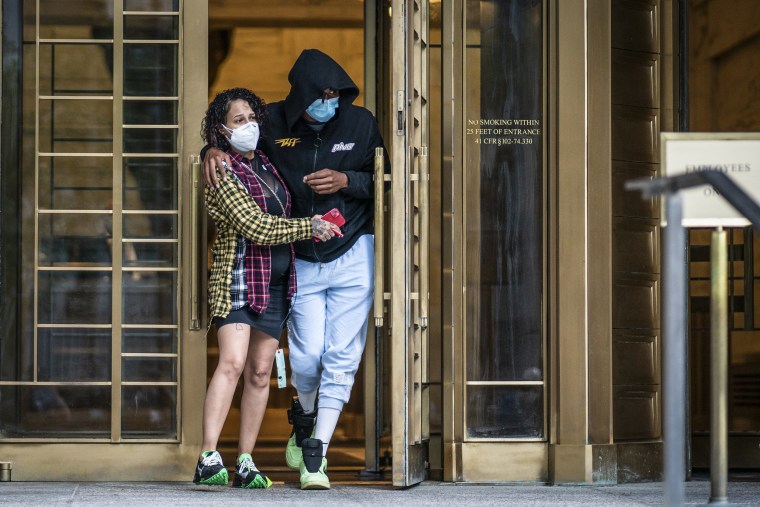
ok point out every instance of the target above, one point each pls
(343, 147)
(287, 142)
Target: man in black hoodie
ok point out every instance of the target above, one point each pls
(324, 148)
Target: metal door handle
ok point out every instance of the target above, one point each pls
(195, 169)
(424, 188)
(379, 236)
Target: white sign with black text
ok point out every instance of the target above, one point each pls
(735, 154)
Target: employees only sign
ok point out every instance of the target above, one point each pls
(736, 155)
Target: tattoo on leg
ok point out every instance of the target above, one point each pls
(238, 326)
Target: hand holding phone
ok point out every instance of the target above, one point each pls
(334, 217)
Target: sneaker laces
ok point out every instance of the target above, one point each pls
(212, 459)
(246, 466)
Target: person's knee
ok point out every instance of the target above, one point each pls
(304, 383)
(305, 362)
(257, 377)
(231, 368)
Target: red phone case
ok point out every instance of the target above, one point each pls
(334, 217)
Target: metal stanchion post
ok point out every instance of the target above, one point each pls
(674, 346)
(674, 328)
(718, 367)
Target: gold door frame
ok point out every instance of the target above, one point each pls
(407, 321)
(143, 459)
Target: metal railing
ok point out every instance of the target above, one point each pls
(674, 317)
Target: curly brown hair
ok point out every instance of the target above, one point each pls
(217, 114)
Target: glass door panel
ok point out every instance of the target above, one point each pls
(503, 179)
(94, 349)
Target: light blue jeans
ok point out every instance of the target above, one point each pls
(328, 322)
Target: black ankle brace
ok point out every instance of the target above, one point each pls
(303, 423)
(312, 454)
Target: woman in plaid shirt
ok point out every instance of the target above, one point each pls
(252, 278)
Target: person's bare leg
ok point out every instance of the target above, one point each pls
(258, 370)
(233, 350)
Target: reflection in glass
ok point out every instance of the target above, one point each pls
(505, 411)
(73, 239)
(74, 297)
(148, 225)
(151, 5)
(62, 72)
(76, 126)
(75, 183)
(147, 255)
(150, 70)
(150, 112)
(504, 197)
(151, 27)
(74, 19)
(149, 369)
(149, 298)
(55, 411)
(150, 140)
(74, 355)
(17, 352)
(150, 183)
(149, 340)
(149, 412)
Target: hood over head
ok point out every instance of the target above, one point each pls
(311, 74)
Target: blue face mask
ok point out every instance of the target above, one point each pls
(323, 110)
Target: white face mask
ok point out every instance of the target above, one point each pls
(245, 138)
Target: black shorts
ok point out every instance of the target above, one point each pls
(270, 321)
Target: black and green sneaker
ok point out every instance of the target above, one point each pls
(314, 465)
(248, 476)
(210, 470)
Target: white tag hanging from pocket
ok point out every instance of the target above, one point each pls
(279, 359)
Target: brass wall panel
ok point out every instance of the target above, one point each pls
(484, 462)
(635, 134)
(637, 412)
(136, 462)
(636, 355)
(636, 248)
(639, 102)
(629, 204)
(635, 236)
(636, 302)
(636, 25)
(635, 78)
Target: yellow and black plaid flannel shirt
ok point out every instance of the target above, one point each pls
(235, 212)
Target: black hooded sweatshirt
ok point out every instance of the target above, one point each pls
(346, 143)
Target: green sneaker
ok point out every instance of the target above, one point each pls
(210, 470)
(314, 465)
(248, 476)
(303, 427)
(293, 454)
